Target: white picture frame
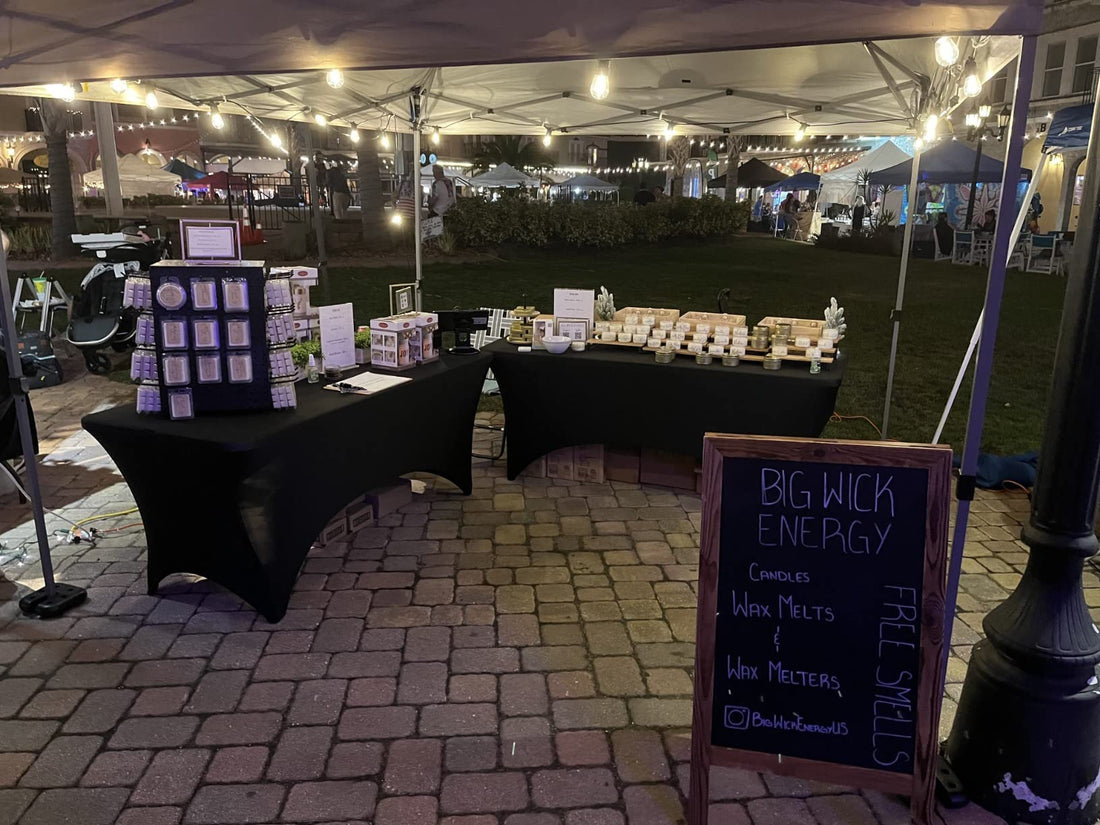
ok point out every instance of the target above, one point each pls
(541, 326)
(575, 329)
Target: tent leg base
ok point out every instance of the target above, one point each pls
(47, 606)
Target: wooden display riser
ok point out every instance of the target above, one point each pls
(752, 355)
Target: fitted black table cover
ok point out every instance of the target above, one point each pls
(621, 397)
(240, 497)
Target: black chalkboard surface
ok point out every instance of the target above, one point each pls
(820, 627)
(817, 633)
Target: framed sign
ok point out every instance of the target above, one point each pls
(821, 608)
(210, 240)
(402, 298)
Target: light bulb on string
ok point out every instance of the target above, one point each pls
(931, 124)
(320, 119)
(276, 141)
(354, 133)
(600, 86)
(119, 86)
(334, 78)
(947, 51)
(799, 133)
(152, 103)
(546, 137)
(216, 119)
(435, 136)
(385, 141)
(972, 84)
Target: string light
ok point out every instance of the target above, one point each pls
(119, 86)
(396, 219)
(435, 136)
(334, 78)
(931, 124)
(947, 52)
(62, 91)
(972, 84)
(385, 140)
(216, 119)
(354, 133)
(546, 137)
(799, 133)
(151, 101)
(320, 119)
(600, 87)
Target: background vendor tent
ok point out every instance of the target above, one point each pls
(459, 179)
(185, 171)
(1069, 129)
(951, 161)
(751, 174)
(584, 183)
(796, 183)
(137, 178)
(843, 184)
(504, 176)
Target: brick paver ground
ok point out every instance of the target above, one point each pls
(518, 657)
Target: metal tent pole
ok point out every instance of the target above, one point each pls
(1017, 228)
(318, 215)
(417, 198)
(895, 314)
(54, 598)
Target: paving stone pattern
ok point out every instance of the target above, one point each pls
(521, 656)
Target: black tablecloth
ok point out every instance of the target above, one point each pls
(623, 398)
(239, 498)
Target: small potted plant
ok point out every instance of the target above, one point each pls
(300, 353)
(362, 347)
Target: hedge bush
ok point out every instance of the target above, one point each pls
(476, 222)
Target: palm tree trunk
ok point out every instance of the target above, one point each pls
(60, 177)
(372, 203)
(679, 151)
(733, 160)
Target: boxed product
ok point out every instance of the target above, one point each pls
(559, 464)
(334, 531)
(389, 342)
(588, 463)
(359, 514)
(621, 465)
(389, 499)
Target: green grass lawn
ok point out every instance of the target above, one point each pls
(774, 277)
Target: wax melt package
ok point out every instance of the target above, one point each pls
(239, 367)
(180, 404)
(205, 331)
(209, 368)
(238, 334)
(235, 294)
(204, 295)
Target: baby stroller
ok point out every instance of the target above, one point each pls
(98, 318)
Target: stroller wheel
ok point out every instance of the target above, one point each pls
(97, 362)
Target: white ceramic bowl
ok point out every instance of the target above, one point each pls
(556, 344)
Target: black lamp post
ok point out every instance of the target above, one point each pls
(980, 124)
(1026, 738)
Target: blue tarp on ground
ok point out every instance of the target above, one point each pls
(1069, 129)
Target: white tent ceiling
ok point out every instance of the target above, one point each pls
(267, 58)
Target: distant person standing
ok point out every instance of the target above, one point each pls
(859, 212)
(643, 197)
(341, 194)
(442, 194)
(317, 170)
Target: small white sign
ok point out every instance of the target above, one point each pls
(337, 335)
(210, 240)
(431, 227)
(575, 303)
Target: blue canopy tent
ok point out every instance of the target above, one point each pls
(184, 170)
(949, 162)
(796, 183)
(1069, 129)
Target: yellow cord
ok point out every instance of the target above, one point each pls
(105, 515)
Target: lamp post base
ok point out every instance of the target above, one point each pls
(49, 606)
(1029, 748)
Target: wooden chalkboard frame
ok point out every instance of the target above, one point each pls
(920, 784)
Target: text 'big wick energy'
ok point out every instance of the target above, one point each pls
(838, 512)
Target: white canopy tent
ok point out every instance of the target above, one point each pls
(585, 183)
(842, 185)
(451, 174)
(504, 176)
(137, 178)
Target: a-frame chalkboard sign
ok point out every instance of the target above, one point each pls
(821, 607)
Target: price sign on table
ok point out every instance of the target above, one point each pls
(821, 609)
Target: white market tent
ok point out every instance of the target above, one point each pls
(451, 174)
(504, 176)
(842, 185)
(585, 183)
(705, 67)
(137, 178)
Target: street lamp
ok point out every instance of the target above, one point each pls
(979, 125)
